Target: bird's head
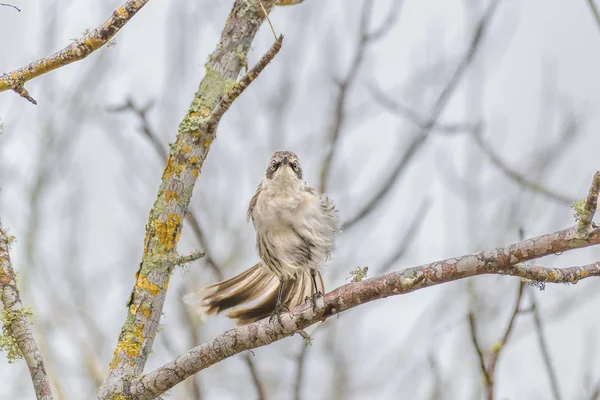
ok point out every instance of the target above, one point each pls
(284, 164)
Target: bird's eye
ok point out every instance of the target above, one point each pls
(295, 166)
(273, 165)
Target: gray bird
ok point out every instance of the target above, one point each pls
(295, 231)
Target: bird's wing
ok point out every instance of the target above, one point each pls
(253, 201)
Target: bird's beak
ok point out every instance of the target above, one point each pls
(285, 160)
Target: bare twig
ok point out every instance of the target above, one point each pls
(10, 5)
(77, 50)
(260, 390)
(142, 114)
(498, 347)
(436, 391)
(412, 116)
(587, 213)
(268, 19)
(210, 124)
(421, 137)
(517, 176)
(300, 372)
(189, 258)
(482, 366)
(594, 11)
(17, 337)
(552, 376)
(407, 238)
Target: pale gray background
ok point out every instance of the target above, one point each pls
(78, 182)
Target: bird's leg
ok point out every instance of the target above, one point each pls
(278, 306)
(318, 294)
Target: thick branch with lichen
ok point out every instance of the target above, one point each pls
(17, 338)
(194, 137)
(506, 260)
(77, 50)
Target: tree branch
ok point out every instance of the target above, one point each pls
(17, 327)
(196, 132)
(506, 260)
(77, 50)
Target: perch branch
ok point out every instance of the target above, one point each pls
(506, 260)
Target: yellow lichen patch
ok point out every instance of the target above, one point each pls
(170, 195)
(131, 345)
(168, 232)
(186, 149)
(205, 111)
(551, 276)
(172, 168)
(14, 75)
(166, 285)
(146, 311)
(122, 12)
(195, 172)
(207, 141)
(115, 361)
(148, 286)
(133, 309)
(194, 160)
(93, 42)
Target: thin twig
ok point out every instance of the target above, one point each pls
(412, 116)
(17, 324)
(260, 390)
(189, 258)
(10, 5)
(482, 366)
(268, 19)
(595, 12)
(300, 372)
(227, 99)
(517, 176)
(591, 202)
(406, 239)
(77, 50)
(552, 376)
(498, 347)
(142, 114)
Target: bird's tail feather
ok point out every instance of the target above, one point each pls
(255, 283)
